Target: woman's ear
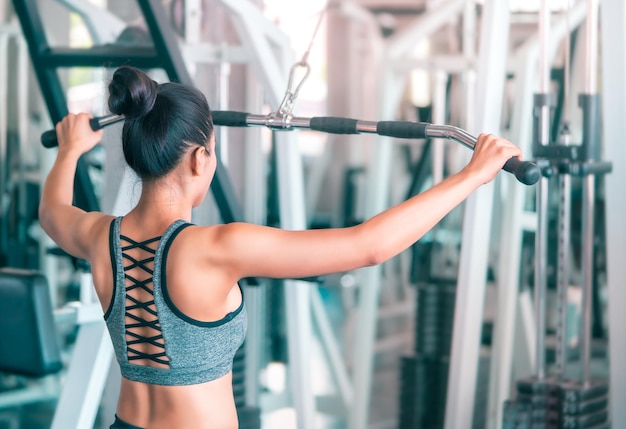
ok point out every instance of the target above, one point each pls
(198, 158)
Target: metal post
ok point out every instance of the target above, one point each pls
(589, 185)
(541, 236)
(297, 293)
(565, 190)
(4, 82)
(544, 72)
(254, 207)
(591, 47)
(477, 225)
(83, 385)
(378, 180)
(587, 273)
(614, 118)
(22, 129)
(541, 269)
(439, 117)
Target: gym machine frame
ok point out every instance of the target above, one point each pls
(557, 400)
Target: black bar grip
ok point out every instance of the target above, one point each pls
(49, 138)
(229, 118)
(526, 172)
(333, 125)
(402, 130)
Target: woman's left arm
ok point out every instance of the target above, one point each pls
(70, 227)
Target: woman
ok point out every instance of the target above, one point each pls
(169, 289)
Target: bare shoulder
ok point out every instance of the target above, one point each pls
(218, 243)
(206, 237)
(96, 231)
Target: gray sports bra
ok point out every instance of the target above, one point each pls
(177, 350)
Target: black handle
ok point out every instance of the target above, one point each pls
(526, 172)
(229, 118)
(402, 130)
(329, 124)
(49, 138)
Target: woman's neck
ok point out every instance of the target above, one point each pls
(162, 203)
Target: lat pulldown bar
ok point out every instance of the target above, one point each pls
(525, 171)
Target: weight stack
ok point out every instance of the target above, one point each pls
(424, 376)
(422, 392)
(434, 319)
(249, 417)
(544, 400)
(516, 414)
(584, 405)
(558, 404)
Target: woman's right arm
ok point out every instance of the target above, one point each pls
(251, 250)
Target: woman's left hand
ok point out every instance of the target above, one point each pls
(75, 134)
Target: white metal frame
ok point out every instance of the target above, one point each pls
(394, 68)
(613, 15)
(471, 284)
(514, 221)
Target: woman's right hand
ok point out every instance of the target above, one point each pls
(490, 155)
(75, 134)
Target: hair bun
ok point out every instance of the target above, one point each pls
(131, 92)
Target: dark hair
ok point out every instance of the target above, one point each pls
(162, 121)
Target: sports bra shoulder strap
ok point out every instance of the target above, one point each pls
(173, 231)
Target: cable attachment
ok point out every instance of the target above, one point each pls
(282, 117)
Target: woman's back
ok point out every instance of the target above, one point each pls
(174, 328)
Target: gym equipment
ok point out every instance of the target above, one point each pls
(525, 171)
(28, 338)
(91, 356)
(424, 376)
(555, 401)
(164, 53)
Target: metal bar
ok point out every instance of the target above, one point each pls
(439, 117)
(98, 56)
(297, 293)
(469, 51)
(4, 82)
(614, 117)
(82, 388)
(22, 131)
(591, 47)
(363, 127)
(590, 139)
(255, 211)
(332, 350)
(587, 274)
(472, 276)
(565, 190)
(541, 271)
(544, 72)
(377, 187)
(509, 302)
(544, 44)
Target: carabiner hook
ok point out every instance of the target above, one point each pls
(286, 106)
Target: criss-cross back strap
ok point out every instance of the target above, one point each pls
(142, 315)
